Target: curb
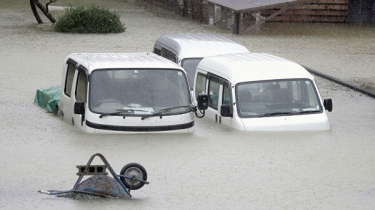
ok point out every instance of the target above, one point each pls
(341, 82)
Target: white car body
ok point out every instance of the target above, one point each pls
(188, 49)
(125, 93)
(263, 93)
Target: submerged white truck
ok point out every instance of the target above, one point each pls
(126, 93)
(188, 49)
(261, 92)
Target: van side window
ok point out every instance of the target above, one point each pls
(307, 94)
(69, 79)
(227, 98)
(200, 86)
(213, 92)
(157, 51)
(81, 89)
(168, 55)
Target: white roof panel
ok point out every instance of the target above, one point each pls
(198, 45)
(243, 67)
(93, 61)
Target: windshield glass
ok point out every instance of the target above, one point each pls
(138, 91)
(277, 98)
(190, 66)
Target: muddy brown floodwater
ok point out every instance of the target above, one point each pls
(214, 168)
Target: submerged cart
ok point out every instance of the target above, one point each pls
(133, 176)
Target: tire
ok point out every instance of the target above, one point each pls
(133, 169)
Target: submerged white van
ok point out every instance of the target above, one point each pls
(261, 92)
(188, 49)
(125, 93)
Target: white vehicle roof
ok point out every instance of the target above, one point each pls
(244, 67)
(93, 61)
(197, 45)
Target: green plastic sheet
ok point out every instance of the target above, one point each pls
(48, 98)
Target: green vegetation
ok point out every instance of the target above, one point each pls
(92, 19)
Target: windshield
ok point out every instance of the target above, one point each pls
(277, 98)
(190, 66)
(138, 91)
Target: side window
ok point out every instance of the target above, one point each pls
(311, 95)
(168, 55)
(81, 89)
(200, 86)
(213, 92)
(69, 79)
(157, 51)
(227, 99)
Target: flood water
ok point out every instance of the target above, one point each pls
(214, 168)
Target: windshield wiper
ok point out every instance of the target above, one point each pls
(119, 111)
(279, 113)
(162, 111)
(308, 111)
(289, 113)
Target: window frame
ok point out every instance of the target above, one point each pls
(197, 92)
(81, 71)
(69, 76)
(216, 79)
(225, 83)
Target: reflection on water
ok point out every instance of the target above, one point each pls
(214, 168)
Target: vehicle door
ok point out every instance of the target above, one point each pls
(67, 85)
(214, 96)
(80, 95)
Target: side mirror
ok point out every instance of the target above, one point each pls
(79, 107)
(202, 101)
(328, 104)
(225, 110)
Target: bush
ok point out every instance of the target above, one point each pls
(89, 20)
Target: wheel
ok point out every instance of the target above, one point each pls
(133, 170)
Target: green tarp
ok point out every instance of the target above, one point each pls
(48, 98)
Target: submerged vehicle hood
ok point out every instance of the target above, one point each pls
(287, 123)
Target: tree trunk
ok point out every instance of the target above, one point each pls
(35, 12)
(43, 9)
